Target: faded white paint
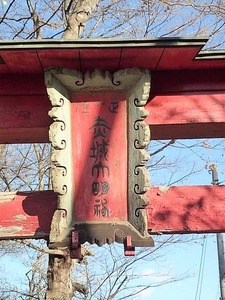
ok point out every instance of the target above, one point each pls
(61, 85)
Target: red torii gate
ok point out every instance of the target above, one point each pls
(186, 100)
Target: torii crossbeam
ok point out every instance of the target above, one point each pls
(185, 91)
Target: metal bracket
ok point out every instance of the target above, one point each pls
(75, 248)
(129, 250)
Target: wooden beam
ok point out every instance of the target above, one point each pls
(24, 107)
(25, 84)
(183, 104)
(187, 116)
(184, 209)
(26, 215)
(24, 118)
(22, 135)
(178, 82)
(187, 131)
(187, 104)
(162, 82)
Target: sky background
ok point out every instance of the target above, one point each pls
(189, 160)
(185, 259)
(179, 261)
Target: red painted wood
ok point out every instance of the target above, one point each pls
(148, 58)
(186, 209)
(178, 58)
(100, 157)
(187, 131)
(187, 116)
(3, 69)
(24, 119)
(187, 101)
(24, 135)
(26, 215)
(109, 57)
(21, 61)
(24, 111)
(26, 84)
(59, 58)
(183, 82)
(183, 209)
(157, 58)
(162, 83)
(184, 103)
(185, 109)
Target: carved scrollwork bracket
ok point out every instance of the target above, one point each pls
(62, 85)
(138, 139)
(61, 171)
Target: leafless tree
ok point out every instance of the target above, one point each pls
(70, 19)
(184, 162)
(24, 167)
(106, 275)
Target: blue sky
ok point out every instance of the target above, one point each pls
(186, 162)
(179, 260)
(191, 158)
(183, 259)
(189, 162)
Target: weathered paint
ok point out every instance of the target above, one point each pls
(186, 101)
(183, 209)
(24, 118)
(187, 116)
(24, 214)
(186, 209)
(99, 141)
(99, 135)
(173, 112)
(154, 54)
(188, 81)
(187, 87)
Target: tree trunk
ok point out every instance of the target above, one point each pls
(77, 16)
(59, 278)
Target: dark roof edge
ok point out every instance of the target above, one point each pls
(211, 54)
(103, 43)
(116, 43)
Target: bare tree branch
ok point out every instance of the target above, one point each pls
(77, 16)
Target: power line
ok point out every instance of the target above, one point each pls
(220, 240)
(201, 270)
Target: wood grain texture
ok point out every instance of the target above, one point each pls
(183, 209)
(186, 209)
(26, 215)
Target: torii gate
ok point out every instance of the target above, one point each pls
(101, 92)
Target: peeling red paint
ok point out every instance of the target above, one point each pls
(184, 209)
(26, 214)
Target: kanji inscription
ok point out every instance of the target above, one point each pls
(99, 138)
(101, 150)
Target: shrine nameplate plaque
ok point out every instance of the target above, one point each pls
(99, 140)
(99, 157)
